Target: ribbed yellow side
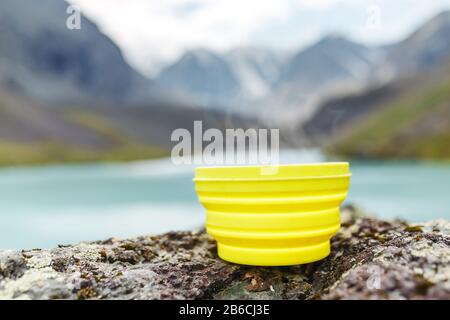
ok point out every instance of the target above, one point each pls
(273, 220)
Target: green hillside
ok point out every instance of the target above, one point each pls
(31, 133)
(416, 124)
(56, 152)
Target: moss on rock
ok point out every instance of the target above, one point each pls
(370, 259)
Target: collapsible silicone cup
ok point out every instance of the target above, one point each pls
(273, 216)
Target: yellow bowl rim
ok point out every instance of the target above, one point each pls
(272, 179)
(284, 172)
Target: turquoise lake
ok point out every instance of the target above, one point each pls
(49, 205)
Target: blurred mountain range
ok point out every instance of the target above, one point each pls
(223, 81)
(44, 60)
(261, 81)
(70, 95)
(405, 117)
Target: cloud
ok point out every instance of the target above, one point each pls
(153, 33)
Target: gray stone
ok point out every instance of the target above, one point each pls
(370, 259)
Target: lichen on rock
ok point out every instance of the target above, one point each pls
(370, 259)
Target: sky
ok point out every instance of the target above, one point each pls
(154, 33)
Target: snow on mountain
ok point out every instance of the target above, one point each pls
(261, 82)
(203, 76)
(332, 59)
(257, 69)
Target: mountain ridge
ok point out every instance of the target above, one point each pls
(334, 65)
(42, 59)
(69, 95)
(408, 118)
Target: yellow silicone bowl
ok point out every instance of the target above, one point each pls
(273, 216)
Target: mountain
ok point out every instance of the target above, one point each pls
(263, 82)
(258, 81)
(45, 66)
(425, 48)
(257, 70)
(407, 118)
(332, 60)
(348, 109)
(332, 65)
(31, 133)
(249, 77)
(42, 59)
(222, 80)
(69, 95)
(203, 77)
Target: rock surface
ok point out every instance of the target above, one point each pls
(370, 259)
